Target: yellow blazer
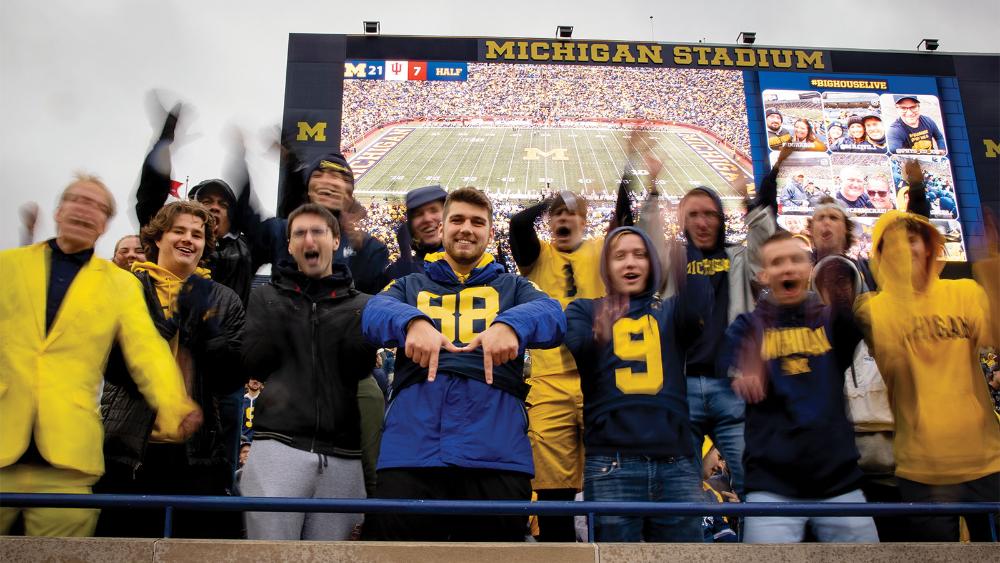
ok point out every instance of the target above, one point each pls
(50, 384)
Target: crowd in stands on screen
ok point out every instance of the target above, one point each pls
(555, 95)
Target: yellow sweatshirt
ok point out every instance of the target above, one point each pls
(926, 344)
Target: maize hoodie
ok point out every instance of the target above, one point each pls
(926, 343)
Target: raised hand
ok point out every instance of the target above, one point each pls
(609, 310)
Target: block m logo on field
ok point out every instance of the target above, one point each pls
(532, 153)
(315, 132)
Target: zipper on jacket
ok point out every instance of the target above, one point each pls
(315, 369)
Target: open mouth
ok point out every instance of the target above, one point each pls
(81, 222)
(562, 231)
(325, 192)
(789, 285)
(184, 251)
(631, 276)
(311, 255)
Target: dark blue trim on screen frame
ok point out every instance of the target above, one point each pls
(970, 208)
(755, 123)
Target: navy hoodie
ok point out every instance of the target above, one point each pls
(799, 441)
(634, 390)
(712, 266)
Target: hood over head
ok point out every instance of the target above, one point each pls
(655, 272)
(836, 261)
(885, 261)
(720, 240)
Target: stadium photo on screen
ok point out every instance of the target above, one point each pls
(521, 129)
(521, 132)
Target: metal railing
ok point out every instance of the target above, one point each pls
(493, 507)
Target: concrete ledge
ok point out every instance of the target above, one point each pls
(805, 552)
(82, 550)
(106, 550)
(201, 551)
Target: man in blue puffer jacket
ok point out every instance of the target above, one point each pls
(456, 426)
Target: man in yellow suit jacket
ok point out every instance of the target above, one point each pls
(61, 309)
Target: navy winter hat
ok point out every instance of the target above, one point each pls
(423, 196)
(333, 161)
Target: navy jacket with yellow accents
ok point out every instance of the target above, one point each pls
(799, 441)
(458, 420)
(461, 310)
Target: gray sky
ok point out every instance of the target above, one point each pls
(74, 76)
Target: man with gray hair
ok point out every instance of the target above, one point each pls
(61, 310)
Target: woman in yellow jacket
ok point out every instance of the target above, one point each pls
(925, 334)
(61, 308)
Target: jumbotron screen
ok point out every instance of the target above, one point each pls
(523, 131)
(523, 118)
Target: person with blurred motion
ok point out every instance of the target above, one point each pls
(304, 341)
(912, 132)
(789, 359)
(731, 271)
(638, 431)
(566, 269)
(128, 250)
(838, 281)
(456, 427)
(228, 259)
(327, 181)
(420, 234)
(61, 310)
(926, 333)
(203, 323)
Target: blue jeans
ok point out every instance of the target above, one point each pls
(641, 478)
(717, 412)
(792, 529)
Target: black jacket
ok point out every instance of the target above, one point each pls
(210, 321)
(304, 340)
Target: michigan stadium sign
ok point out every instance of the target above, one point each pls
(653, 54)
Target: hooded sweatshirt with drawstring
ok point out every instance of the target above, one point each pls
(799, 441)
(635, 394)
(926, 343)
(729, 270)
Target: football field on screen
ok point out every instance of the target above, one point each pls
(524, 160)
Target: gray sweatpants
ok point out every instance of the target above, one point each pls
(276, 470)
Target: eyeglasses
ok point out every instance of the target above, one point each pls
(85, 201)
(316, 232)
(880, 193)
(910, 109)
